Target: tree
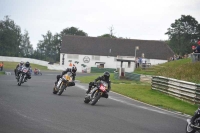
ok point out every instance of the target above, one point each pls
(108, 36)
(26, 49)
(73, 31)
(10, 37)
(111, 35)
(183, 33)
(49, 47)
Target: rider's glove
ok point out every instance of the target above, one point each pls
(107, 90)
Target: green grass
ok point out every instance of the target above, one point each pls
(12, 66)
(2, 72)
(182, 69)
(143, 92)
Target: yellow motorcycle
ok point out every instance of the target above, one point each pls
(63, 83)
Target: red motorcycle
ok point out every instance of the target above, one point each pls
(37, 72)
(99, 90)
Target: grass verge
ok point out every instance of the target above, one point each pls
(183, 69)
(142, 92)
(12, 66)
(2, 72)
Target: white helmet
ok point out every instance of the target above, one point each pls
(21, 63)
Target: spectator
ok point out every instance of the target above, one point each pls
(198, 49)
(1, 66)
(193, 49)
(143, 62)
(138, 62)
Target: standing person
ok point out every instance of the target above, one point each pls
(198, 49)
(138, 62)
(143, 63)
(193, 49)
(1, 66)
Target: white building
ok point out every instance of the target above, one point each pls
(87, 52)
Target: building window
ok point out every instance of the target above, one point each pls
(73, 56)
(95, 57)
(100, 66)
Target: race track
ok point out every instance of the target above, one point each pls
(33, 108)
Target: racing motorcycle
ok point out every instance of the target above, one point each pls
(63, 83)
(22, 75)
(97, 91)
(193, 128)
(37, 72)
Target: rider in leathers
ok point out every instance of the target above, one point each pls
(105, 77)
(72, 70)
(27, 65)
(18, 68)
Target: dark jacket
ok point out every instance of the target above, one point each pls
(198, 49)
(103, 79)
(69, 70)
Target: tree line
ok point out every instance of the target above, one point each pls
(183, 33)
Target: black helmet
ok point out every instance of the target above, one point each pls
(27, 64)
(106, 75)
(74, 69)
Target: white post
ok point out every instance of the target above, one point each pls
(136, 48)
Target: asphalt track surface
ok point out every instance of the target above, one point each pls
(33, 108)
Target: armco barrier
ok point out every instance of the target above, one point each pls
(132, 76)
(101, 70)
(187, 91)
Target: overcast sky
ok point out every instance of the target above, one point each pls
(134, 19)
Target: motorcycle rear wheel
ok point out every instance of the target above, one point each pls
(95, 100)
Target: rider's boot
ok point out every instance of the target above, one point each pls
(88, 91)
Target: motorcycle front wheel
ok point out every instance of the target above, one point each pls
(55, 90)
(189, 129)
(87, 99)
(97, 97)
(62, 88)
(20, 80)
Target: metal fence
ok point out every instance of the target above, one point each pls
(187, 91)
(195, 57)
(128, 76)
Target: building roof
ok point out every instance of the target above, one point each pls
(115, 47)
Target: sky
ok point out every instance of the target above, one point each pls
(134, 19)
